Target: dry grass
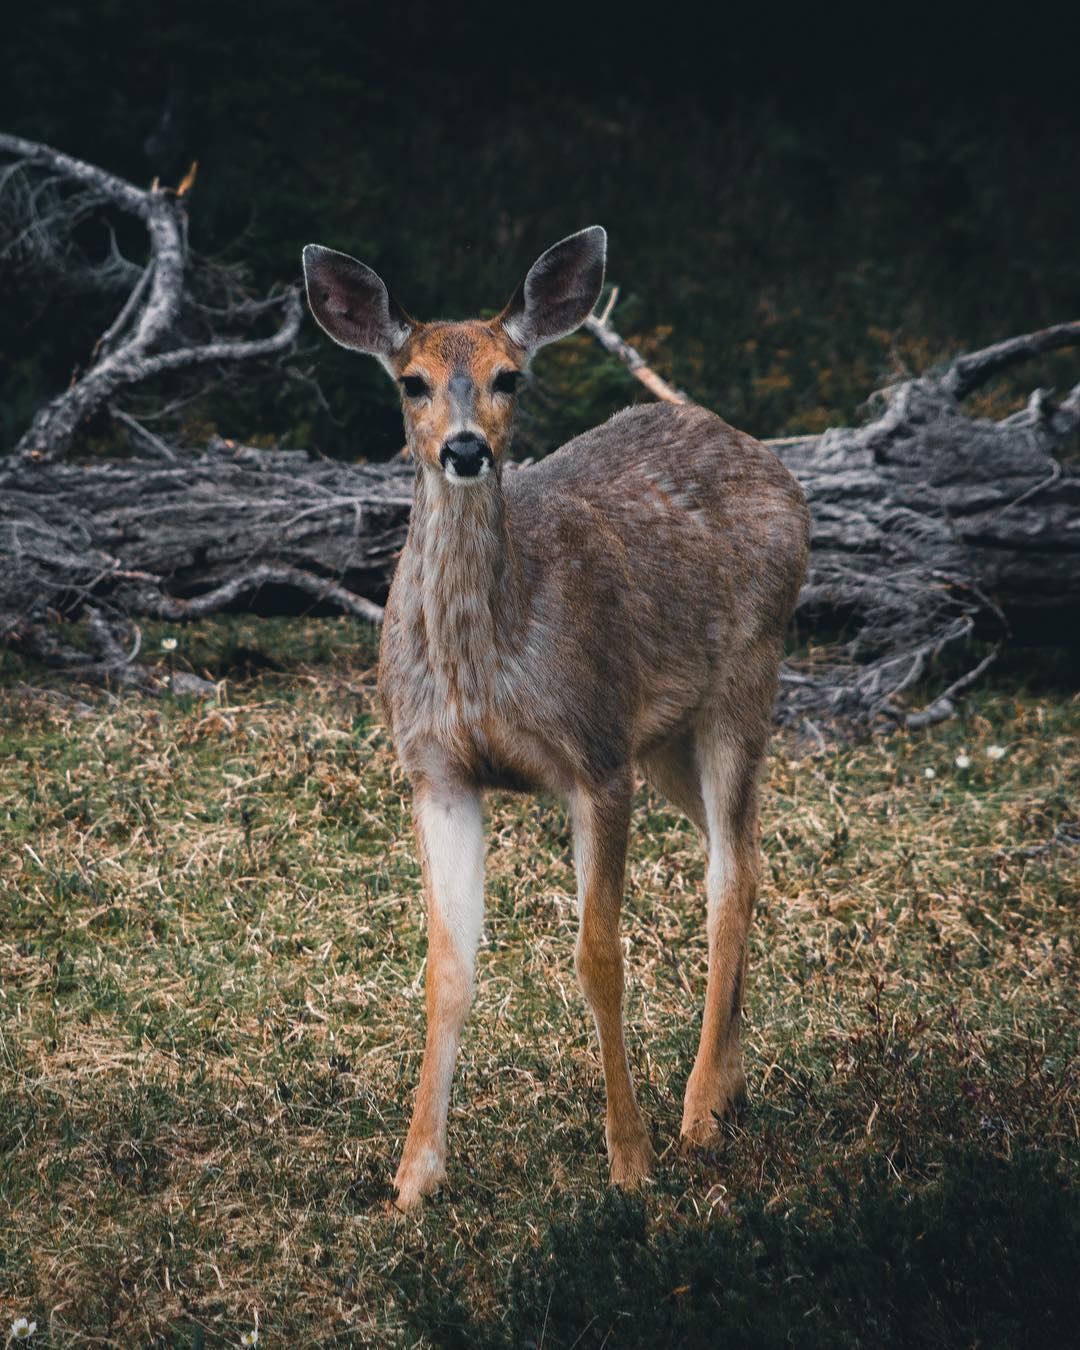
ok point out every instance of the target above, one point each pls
(211, 1012)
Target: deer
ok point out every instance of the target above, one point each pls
(616, 608)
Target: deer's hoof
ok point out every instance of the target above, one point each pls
(700, 1133)
(707, 1108)
(421, 1172)
(631, 1159)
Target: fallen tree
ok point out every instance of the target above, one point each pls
(929, 526)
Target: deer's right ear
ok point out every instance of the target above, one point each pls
(560, 290)
(352, 304)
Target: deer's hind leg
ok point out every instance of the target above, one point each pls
(601, 818)
(729, 765)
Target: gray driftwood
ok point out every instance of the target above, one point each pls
(231, 527)
(928, 526)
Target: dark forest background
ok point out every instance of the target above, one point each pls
(800, 205)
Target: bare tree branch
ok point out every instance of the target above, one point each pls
(130, 350)
(280, 341)
(153, 443)
(972, 369)
(123, 194)
(131, 304)
(943, 706)
(265, 574)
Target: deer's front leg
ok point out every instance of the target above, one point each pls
(601, 821)
(449, 834)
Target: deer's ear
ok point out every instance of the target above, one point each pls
(352, 304)
(560, 290)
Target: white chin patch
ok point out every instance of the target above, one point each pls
(452, 476)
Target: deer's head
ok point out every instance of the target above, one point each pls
(458, 380)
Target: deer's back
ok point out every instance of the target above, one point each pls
(691, 507)
(685, 542)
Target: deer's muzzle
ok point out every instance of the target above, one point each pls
(466, 456)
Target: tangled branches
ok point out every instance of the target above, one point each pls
(140, 342)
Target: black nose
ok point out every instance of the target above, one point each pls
(466, 454)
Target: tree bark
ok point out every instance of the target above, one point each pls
(928, 527)
(271, 528)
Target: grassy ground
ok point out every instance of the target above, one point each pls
(211, 1011)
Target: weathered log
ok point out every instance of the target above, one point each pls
(276, 529)
(928, 526)
(925, 485)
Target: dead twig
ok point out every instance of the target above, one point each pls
(598, 327)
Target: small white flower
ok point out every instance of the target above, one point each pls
(250, 1337)
(963, 760)
(168, 644)
(929, 773)
(22, 1330)
(995, 752)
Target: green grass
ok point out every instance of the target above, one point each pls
(211, 1014)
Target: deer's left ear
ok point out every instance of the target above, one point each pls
(560, 290)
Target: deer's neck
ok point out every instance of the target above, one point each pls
(467, 599)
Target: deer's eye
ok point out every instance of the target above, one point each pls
(506, 382)
(414, 386)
